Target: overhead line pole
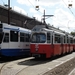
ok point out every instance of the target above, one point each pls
(8, 11)
(46, 16)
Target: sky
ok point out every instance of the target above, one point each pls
(63, 14)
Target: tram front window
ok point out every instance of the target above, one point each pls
(1, 37)
(38, 38)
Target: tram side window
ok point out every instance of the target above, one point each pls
(74, 40)
(67, 40)
(27, 37)
(71, 40)
(61, 40)
(64, 40)
(57, 38)
(6, 37)
(14, 36)
(48, 37)
(22, 39)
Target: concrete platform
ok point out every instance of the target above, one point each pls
(32, 66)
(72, 72)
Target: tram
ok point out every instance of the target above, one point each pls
(14, 41)
(48, 43)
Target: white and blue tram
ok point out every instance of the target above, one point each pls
(14, 41)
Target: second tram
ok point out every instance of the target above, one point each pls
(48, 43)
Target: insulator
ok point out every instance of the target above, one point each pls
(37, 7)
(70, 5)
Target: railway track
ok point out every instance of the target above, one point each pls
(32, 66)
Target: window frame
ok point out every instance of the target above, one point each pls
(57, 38)
(14, 36)
(6, 38)
(48, 37)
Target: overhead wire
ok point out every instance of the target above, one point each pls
(31, 3)
(71, 12)
(3, 2)
(69, 9)
(34, 6)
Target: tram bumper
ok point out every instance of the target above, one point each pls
(36, 55)
(0, 50)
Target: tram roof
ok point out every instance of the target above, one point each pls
(38, 27)
(6, 26)
(70, 36)
(57, 32)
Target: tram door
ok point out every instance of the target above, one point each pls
(62, 45)
(14, 39)
(5, 43)
(49, 47)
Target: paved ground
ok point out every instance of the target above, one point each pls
(41, 69)
(31, 66)
(72, 72)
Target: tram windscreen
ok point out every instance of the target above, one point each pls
(38, 38)
(1, 37)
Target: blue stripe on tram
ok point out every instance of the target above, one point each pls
(14, 52)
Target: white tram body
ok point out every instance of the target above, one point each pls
(14, 41)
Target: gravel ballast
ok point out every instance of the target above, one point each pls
(63, 69)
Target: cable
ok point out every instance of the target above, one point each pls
(34, 6)
(69, 8)
(31, 3)
(71, 12)
(3, 2)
